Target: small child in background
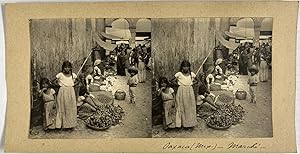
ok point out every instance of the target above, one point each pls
(48, 96)
(253, 81)
(97, 70)
(89, 80)
(210, 79)
(132, 83)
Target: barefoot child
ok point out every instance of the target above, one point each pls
(185, 97)
(167, 95)
(48, 96)
(132, 83)
(66, 98)
(253, 81)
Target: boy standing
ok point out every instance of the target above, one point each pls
(253, 81)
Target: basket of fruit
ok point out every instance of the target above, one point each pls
(106, 115)
(97, 122)
(219, 121)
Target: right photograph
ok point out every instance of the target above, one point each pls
(212, 77)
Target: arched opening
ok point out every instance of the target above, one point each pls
(143, 30)
(143, 25)
(267, 24)
(120, 24)
(245, 23)
(245, 28)
(119, 29)
(266, 30)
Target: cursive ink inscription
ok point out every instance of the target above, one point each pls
(234, 145)
(207, 147)
(170, 146)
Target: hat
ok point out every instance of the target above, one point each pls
(132, 69)
(210, 70)
(219, 61)
(253, 68)
(97, 62)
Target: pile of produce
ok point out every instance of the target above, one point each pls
(106, 116)
(236, 112)
(225, 98)
(225, 116)
(219, 120)
(104, 98)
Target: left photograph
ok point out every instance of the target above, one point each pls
(90, 78)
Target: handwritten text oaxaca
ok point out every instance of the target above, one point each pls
(192, 146)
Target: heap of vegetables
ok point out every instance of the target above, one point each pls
(226, 115)
(106, 116)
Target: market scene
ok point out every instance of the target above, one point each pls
(91, 78)
(218, 82)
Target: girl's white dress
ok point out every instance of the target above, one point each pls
(185, 101)
(66, 102)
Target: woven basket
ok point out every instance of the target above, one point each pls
(120, 94)
(241, 94)
(215, 87)
(218, 128)
(97, 128)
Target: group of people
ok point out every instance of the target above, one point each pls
(60, 105)
(180, 107)
(139, 57)
(260, 56)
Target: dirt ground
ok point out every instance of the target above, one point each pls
(257, 123)
(136, 122)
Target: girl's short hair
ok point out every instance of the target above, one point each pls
(66, 64)
(163, 80)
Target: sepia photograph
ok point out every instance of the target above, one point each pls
(212, 77)
(90, 78)
(178, 77)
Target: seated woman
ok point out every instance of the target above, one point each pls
(207, 104)
(85, 104)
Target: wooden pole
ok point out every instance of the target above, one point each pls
(203, 62)
(206, 58)
(84, 62)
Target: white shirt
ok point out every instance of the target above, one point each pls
(219, 70)
(66, 81)
(89, 77)
(210, 76)
(185, 80)
(97, 70)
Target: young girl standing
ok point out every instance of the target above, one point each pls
(48, 96)
(185, 98)
(66, 99)
(167, 95)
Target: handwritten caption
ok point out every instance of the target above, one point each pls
(210, 147)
